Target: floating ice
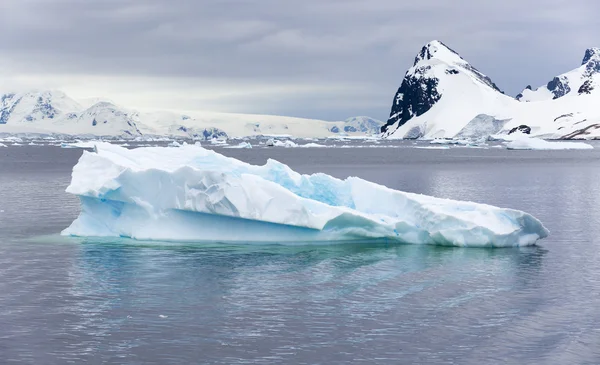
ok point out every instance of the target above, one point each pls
(79, 144)
(444, 141)
(286, 143)
(312, 145)
(291, 144)
(194, 194)
(219, 142)
(433, 147)
(3, 145)
(527, 143)
(241, 145)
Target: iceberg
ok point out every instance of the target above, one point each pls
(79, 144)
(286, 143)
(444, 141)
(241, 145)
(194, 194)
(312, 145)
(528, 143)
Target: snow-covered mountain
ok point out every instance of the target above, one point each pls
(443, 96)
(582, 80)
(35, 106)
(53, 112)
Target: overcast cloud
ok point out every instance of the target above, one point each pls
(327, 59)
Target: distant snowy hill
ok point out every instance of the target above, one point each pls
(53, 112)
(444, 96)
(365, 125)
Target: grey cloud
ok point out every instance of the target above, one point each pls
(367, 44)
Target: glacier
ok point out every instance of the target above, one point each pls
(194, 194)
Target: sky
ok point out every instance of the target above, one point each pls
(323, 59)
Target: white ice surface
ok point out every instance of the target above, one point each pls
(193, 194)
(241, 145)
(79, 144)
(527, 143)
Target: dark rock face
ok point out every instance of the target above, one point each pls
(589, 53)
(334, 129)
(581, 133)
(563, 116)
(349, 128)
(586, 87)
(592, 67)
(520, 95)
(522, 128)
(45, 107)
(483, 78)
(213, 133)
(415, 96)
(559, 86)
(6, 110)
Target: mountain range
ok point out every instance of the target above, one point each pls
(441, 96)
(54, 112)
(444, 96)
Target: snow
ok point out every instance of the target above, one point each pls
(194, 194)
(464, 96)
(539, 144)
(3, 145)
(573, 79)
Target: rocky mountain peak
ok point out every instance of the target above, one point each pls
(590, 53)
(437, 69)
(437, 49)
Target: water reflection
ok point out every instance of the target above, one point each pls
(255, 303)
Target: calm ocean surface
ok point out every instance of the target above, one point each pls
(72, 301)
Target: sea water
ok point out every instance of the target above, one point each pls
(117, 301)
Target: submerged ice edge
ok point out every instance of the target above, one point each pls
(192, 194)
